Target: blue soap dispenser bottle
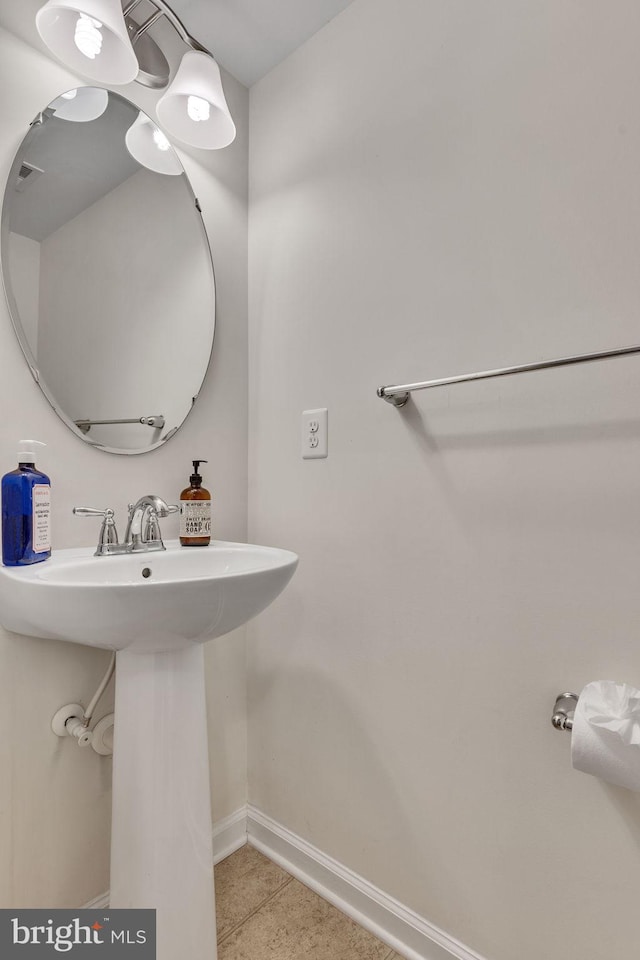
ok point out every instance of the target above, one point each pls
(26, 510)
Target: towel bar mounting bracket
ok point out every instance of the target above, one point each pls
(396, 399)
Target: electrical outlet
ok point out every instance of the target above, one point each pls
(314, 434)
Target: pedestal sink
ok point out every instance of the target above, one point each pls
(155, 609)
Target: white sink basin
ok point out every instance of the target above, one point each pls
(147, 602)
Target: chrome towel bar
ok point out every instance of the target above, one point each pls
(156, 421)
(399, 394)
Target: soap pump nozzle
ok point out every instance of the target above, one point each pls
(27, 450)
(195, 479)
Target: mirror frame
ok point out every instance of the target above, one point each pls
(14, 313)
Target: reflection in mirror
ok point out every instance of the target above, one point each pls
(107, 271)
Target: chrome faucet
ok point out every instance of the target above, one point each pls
(146, 512)
(143, 529)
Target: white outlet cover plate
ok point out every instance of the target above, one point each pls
(314, 435)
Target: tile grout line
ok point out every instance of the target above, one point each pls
(275, 893)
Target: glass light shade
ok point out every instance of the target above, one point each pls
(152, 151)
(198, 76)
(89, 103)
(115, 63)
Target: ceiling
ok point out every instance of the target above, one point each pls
(247, 37)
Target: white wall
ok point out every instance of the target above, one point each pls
(24, 254)
(55, 800)
(437, 188)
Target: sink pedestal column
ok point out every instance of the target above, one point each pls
(161, 844)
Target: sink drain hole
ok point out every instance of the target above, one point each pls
(146, 572)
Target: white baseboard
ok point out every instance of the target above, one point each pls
(406, 932)
(409, 934)
(229, 834)
(98, 903)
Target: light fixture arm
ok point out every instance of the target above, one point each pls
(163, 10)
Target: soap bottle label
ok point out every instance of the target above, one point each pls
(195, 518)
(41, 500)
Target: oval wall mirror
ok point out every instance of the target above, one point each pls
(107, 271)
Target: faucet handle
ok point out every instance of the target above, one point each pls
(108, 533)
(92, 512)
(151, 532)
(152, 527)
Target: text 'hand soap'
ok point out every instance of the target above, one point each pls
(195, 511)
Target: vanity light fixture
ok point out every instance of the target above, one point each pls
(148, 145)
(100, 40)
(81, 105)
(194, 109)
(91, 37)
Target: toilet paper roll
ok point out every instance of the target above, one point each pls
(605, 740)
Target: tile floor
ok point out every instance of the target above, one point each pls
(266, 914)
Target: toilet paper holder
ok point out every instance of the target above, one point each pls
(564, 711)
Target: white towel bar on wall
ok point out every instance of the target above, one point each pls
(399, 394)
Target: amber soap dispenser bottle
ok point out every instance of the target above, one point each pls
(195, 511)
